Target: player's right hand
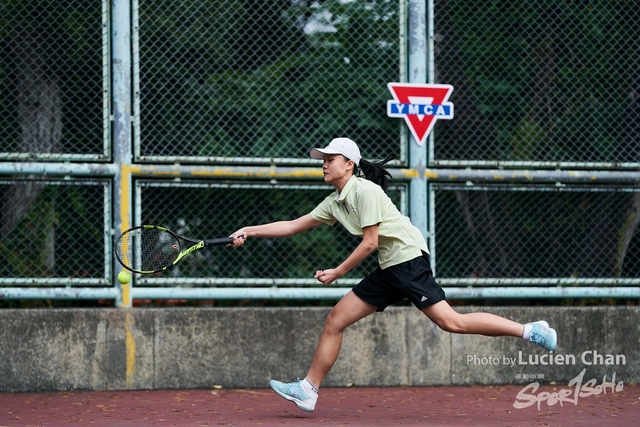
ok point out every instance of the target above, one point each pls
(239, 237)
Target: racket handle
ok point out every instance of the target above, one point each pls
(218, 242)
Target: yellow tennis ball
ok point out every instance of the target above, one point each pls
(124, 277)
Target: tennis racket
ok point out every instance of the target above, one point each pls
(149, 249)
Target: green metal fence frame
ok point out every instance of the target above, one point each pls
(122, 120)
(305, 289)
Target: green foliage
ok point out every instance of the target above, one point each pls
(62, 43)
(26, 251)
(553, 76)
(58, 236)
(258, 82)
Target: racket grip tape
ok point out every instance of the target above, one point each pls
(218, 242)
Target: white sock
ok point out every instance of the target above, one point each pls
(308, 387)
(527, 331)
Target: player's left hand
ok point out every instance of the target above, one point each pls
(326, 277)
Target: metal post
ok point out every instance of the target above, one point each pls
(417, 40)
(431, 202)
(121, 101)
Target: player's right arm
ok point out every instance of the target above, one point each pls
(275, 229)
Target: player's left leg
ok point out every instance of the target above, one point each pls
(488, 324)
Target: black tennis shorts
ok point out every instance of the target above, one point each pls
(411, 279)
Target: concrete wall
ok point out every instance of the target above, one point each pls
(109, 349)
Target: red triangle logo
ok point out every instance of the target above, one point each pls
(420, 105)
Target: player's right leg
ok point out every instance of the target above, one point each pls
(348, 311)
(304, 393)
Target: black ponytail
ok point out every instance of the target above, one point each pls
(374, 172)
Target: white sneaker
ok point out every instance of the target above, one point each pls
(294, 392)
(544, 336)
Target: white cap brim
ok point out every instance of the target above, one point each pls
(318, 153)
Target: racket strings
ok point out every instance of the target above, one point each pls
(148, 249)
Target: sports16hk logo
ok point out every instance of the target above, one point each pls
(420, 106)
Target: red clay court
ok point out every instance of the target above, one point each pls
(392, 406)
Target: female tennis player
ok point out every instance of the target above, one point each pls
(362, 206)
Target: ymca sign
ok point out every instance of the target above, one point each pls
(420, 105)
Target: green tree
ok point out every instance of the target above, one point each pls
(266, 79)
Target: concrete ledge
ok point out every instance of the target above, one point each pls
(116, 349)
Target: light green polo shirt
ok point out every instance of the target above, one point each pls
(363, 203)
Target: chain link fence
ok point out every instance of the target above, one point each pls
(209, 210)
(53, 80)
(58, 231)
(539, 83)
(256, 80)
(237, 83)
(501, 231)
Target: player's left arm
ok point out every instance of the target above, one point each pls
(368, 244)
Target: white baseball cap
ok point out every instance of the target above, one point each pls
(343, 146)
